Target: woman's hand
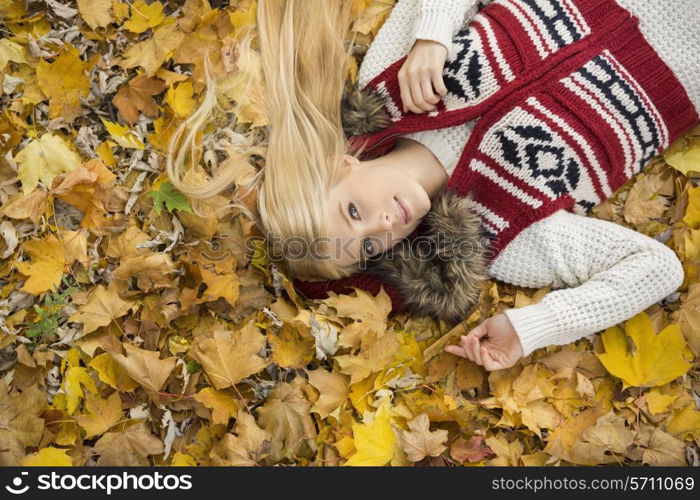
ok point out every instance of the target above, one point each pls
(422, 71)
(501, 348)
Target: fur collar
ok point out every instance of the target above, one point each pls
(438, 270)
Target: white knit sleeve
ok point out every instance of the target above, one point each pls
(613, 272)
(440, 20)
(446, 143)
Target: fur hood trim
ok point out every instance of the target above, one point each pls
(439, 271)
(362, 112)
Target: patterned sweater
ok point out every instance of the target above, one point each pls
(613, 272)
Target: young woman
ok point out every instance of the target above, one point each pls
(478, 148)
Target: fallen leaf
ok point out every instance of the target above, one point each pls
(419, 441)
(653, 360)
(285, 415)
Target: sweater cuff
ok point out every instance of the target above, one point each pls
(536, 326)
(435, 26)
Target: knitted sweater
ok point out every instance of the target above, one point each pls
(615, 272)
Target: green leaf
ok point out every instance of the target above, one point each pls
(171, 197)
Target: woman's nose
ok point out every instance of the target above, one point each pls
(386, 222)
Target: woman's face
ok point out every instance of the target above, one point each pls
(367, 209)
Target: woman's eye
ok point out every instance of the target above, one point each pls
(353, 209)
(369, 249)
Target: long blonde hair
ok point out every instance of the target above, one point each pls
(304, 61)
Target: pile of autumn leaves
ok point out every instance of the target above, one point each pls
(128, 338)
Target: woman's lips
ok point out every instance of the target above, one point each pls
(407, 215)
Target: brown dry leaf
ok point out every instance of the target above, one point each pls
(152, 271)
(610, 433)
(101, 414)
(137, 97)
(145, 367)
(375, 355)
(286, 416)
(129, 447)
(332, 388)
(247, 448)
(565, 441)
(230, 356)
(664, 450)
(85, 189)
(29, 206)
(689, 317)
(104, 306)
(643, 202)
(290, 349)
(470, 450)
(419, 441)
(20, 424)
(371, 311)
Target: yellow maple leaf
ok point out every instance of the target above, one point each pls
(243, 20)
(374, 442)
(48, 457)
(123, 135)
(692, 245)
(653, 360)
(64, 82)
(684, 422)
(658, 402)
(96, 13)
(684, 154)
(182, 460)
(74, 379)
(153, 52)
(43, 159)
(144, 16)
(225, 286)
(46, 265)
(692, 213)
(373, 16)
(10, 51)
(179, 98)
(111, 373)
(222, 405)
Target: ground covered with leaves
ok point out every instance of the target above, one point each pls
(136, 330)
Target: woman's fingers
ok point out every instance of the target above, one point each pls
(438, 82)
(417, 92)
(474, 349)
(456, 350)
(489, 362)
(428, 95)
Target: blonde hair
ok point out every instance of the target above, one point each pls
(304, 63)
